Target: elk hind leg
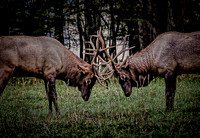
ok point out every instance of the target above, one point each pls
(170, 81)
(51, 94)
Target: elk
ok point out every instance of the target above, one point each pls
(169, 55)
(47, 59)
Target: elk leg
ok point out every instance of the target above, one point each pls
(48, 96)
(51, 93)
(4, 78)
(173, 92)
(170, 81)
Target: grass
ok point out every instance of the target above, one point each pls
(24, 109)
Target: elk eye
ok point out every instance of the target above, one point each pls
(123, 77)
(88, 82)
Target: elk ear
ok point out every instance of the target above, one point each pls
(126, 67)
(83, 69)
(123, 77)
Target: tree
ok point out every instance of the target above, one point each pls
(59, 20)
(143, 20)
(4, 14)
(79, 25)
(128, 16)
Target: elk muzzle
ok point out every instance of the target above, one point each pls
(128, 93)
(86, 94)
(85, 98)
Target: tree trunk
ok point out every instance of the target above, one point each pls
(112, 31)
(170, 22)
(59, 20)
(153, 20)
(144, 24)
(78, 19)
(132, 41)
(178, 12)
(4, 14)
(89, 26)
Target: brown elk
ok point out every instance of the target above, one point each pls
(47, 59)
(168, 56)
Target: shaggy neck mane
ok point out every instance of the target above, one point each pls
(71, 68)
(141, 61)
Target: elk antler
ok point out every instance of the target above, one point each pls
(118, 54)
(123, 50)
(107, 71)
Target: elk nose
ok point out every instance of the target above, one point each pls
(85, 98)
(127, 94)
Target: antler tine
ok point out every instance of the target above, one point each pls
(99, 36)
(123, 47)
(102, 60)
(107, 71)
(91, 43)
(123, 50)
(124, 44)
(99, 78)
(122, 63)
(90, 49)
(105, 74)
(91, 54)
(99, 81)
(93, 48)
(110, 76)
(95, 53)
(107, 48)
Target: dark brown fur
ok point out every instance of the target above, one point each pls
(169, 55)
(44, 58)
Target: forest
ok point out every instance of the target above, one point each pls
(72, 21)
(108, 113)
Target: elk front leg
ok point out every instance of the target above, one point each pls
(170, 81)
(4, 78)
(51, 94)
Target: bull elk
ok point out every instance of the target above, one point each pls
(169, 55)
(47, 59)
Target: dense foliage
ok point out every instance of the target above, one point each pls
(71, 21)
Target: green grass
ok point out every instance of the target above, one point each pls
(24, 110)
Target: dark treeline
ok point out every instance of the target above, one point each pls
(72, 21)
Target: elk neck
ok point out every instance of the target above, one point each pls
(142, 62)
(70, 68)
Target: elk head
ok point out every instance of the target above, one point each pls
(129, 77)
(84, 78)
(122, 72)
(87, 80)
(124, 78)
(86, 75)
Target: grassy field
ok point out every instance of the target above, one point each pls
(24, 110)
